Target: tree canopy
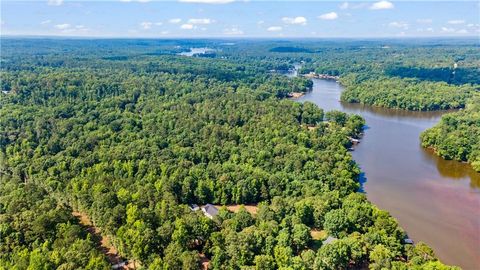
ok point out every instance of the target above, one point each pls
(131, 134)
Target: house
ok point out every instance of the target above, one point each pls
(209, 210)
(329, 240)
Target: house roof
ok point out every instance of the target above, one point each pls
(210, 209)
(329, 240)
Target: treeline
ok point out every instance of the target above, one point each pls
(457, 135)
(407, 94)
(132, 143)
(450, 75)
(445, 62)
(412, 76)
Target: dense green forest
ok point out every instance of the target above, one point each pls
(129, 133)
(424, 77)
(457, 135)
(408, 94)
(38, 232)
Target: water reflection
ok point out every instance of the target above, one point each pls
(453, 169)
(196, 51)
(362, 179)
(434, 115)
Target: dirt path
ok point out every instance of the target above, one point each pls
(252, 209)
(103, 242)
(204, 261)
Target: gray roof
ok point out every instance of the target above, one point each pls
(329, 240)
(408, 241)
(210, 209)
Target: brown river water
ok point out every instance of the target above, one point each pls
(436, 201)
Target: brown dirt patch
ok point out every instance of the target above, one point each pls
(252, 209)
(103, 242)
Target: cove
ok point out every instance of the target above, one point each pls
(435, 200)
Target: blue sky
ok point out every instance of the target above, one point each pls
(230, 18)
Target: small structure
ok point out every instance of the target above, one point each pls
(330, 239)
(408, 241)
(322, 76)
(210, 211)
(120, 265)
(194, 207)
(353, 140)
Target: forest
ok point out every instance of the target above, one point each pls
(456, 136)
(407, 94)
(130, 134)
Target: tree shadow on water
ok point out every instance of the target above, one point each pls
(362, 179)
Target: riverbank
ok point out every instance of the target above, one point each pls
(295, 95)
(313, 75)
(434, 200)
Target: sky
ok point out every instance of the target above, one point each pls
(240, 18)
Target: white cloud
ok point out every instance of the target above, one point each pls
(200, 21)
(428, 29)
(187, 26)
(207, 1)
(55, 2)
(296, 20)
(456, 22)
(158, 23)
(62, 26)
(462, 31)
(146, 25)
(403, 25)
(328, 16)
(447, 29)
(67, 28)
(175, 20)
(274, 28)
(344, 5)
(424, 20)
(164, 32)
(382, 5)
(260, 22)
(234, 31)
(46, 22)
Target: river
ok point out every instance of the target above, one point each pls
(435, 201)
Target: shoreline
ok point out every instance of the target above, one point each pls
(295, 95)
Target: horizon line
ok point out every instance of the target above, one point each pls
(236, 37)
